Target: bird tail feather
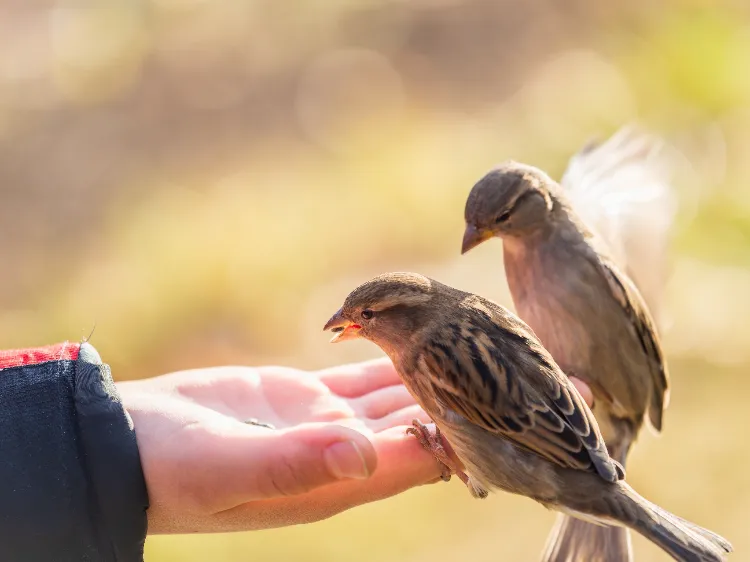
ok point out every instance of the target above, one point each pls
(575, 540)
(683, 540)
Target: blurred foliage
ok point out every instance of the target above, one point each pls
(223, 172)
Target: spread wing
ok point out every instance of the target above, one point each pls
(621, 190)
(489, 367)
(626, 294)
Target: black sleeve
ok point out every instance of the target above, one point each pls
(71, 484)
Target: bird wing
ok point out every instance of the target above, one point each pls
(621, 190)
(490, 368)
(627, 296)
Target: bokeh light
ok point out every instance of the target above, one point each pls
(223, 173)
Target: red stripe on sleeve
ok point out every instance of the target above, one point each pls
(36, 355)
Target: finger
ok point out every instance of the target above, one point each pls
(381, 402)
(584, 390)
(253, 465)
(402, 464)
(357, 379)
(400, 418)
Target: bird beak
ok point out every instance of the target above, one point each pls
(474, 237)
(343, 328)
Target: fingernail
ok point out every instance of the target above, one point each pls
(345, 460)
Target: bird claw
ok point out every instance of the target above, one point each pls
(433, 443)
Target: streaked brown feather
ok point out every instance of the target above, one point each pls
(517, 391)
(632, 303)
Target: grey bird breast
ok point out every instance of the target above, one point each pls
(559, 289)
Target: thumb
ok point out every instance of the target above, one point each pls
(293, 461)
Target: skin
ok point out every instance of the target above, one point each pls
(512, 417)
(207, 471)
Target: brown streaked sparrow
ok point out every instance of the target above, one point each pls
(510, 414)
(568, 287)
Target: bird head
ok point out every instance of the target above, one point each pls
(513, 200)
(386, 310)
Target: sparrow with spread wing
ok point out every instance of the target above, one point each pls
(512, 417)
(571, 283)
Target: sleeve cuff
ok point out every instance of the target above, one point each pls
(110, 454)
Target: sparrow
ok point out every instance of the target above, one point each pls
(581, 301)
(512, 417)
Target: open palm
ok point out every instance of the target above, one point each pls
(337, 441)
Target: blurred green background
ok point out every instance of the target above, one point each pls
(224, 172)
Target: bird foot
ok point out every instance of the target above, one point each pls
(433, 443)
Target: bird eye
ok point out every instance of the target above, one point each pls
(504, 217)
(367, 314)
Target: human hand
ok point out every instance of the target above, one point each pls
(207, 471)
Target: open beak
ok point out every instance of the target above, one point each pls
(474, 237)
(343, 328)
